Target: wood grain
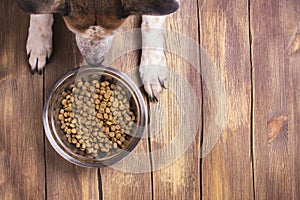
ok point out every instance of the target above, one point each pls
(273, 25)
(21, 131)
(262, 109)
(176, 172)
(227, 170)
(122, 181)
(293, 107)
(63, 179)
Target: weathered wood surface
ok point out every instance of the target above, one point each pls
(22, 166)
(176, 173)
(227, 170)
(255, 46)
(275, 97)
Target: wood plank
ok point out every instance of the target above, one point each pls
(273, 25)
(293, 99)
(22, 174)
(65, 180)
(119, 181)
(227, 170)
(176, 173)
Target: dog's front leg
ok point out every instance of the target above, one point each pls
(39, 42)
(153, 66)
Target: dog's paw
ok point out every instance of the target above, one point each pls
(154, 72)
(39, 42)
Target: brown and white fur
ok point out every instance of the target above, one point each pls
(94, 23)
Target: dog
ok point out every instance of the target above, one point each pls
(94, 23)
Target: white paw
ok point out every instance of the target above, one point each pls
(154, 72)
(39, 42)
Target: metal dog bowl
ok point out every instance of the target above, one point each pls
(56, 135)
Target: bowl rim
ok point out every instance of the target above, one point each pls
(47, 124)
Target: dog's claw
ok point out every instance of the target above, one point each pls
(162, 83)
(40, 71)
(153, 99)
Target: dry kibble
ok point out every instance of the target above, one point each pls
(89, 150)
(96, 116)
(119, 88)
(81, 141)
(115, 104)
(111, 134)
(115, 145)
(64, 102)
(69, 131)
(109, 123)
(105, 116)
(74, 141)
(120, 96)
(118, 136)
(113, 128)
(122, 139)
(61, 117)
(97, 101)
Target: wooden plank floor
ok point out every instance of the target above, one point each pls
(255, 45)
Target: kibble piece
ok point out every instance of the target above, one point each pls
(74, 141)
(120, 96)
(78, 136)
(105, 116)
(118, 136)
(113, 128)
(107, 146)
(97, 101)
(119, 88)
(115, 145)
(79, 84)
(81, 141)
(61, 117)
(89, 150)
(103, 149)
(63, 126)
(69, 131)
(122, 139)
(106, 130)
(64, 102)
(121, 107)
(99, 116)
(73, 131)
(111, 134)
(115, 104)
